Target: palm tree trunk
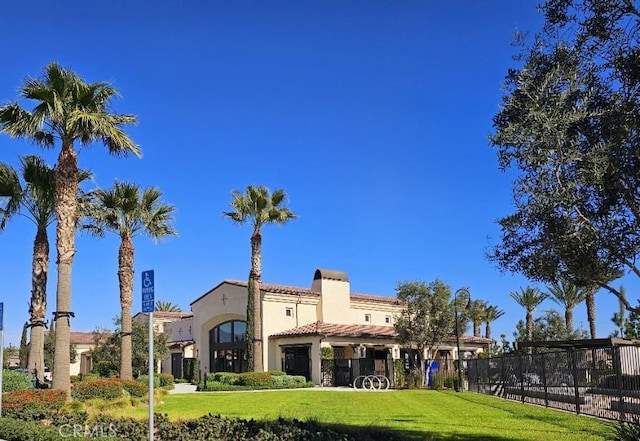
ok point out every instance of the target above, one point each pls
(38, 306)
(487, 330)
(476, 328)
(529, 323)
(568, 318)
(591, 313)
(256, 276)
(125, 277)
(66, 203)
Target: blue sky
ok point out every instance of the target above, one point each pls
(372, 115)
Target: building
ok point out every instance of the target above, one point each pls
(299, 323)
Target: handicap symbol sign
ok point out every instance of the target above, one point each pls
(148, 291)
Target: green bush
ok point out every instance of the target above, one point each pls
(104, 388)
(144, 379)
(33, 404)
(627, 430)
(189, 368)
(437, 381)
(255, 379)
(106, 369)
(14, 380)
(89, 377)
(224, 377)
(165, 379)
(135, 388)
(398, 370)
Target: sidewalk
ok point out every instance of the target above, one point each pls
(181, 388)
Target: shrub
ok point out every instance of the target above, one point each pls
(255, 379)
(14, 380)
(224, 377)
(75, 378)
(165, 379)
(627, 430)
(135, 388)
(189, 368)
(105, 388)
(33, 404)
(89, 377)
(144, 379)
(437, 381)
(106, 369)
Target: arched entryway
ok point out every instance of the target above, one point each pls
(228, 347)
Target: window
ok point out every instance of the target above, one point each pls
(288, 312)
(227, 346)
(387, 319)
(367, 317)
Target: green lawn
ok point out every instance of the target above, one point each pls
(424, 413)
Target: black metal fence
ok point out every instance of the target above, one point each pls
(342, 371)
(601, 382)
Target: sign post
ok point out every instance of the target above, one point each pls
(148, 305)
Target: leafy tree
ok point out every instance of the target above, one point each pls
(569, 123)
(167, 307)
(8, 352)
(568, 295)
(529, 298)
(549, 327)
(128, 211)
(23, 352)
(619, 318)
(427, 316)
(109, 343)
(49, 349)
(491, 314)
(258, 207)
(34, 200)
(68, 111)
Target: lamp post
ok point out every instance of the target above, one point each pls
(455, 312)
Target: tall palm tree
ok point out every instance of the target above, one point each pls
(257, 206)
(491, 314)
(529, 298)
(35, 201)
(129, 212)
(68, 111)
(590, 302)
(476, 311)
(167, 307)
(568, 295)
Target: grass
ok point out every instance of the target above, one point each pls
(423, 414)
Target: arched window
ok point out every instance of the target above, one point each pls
(228, 347)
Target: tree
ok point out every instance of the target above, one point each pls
(107, 350)
(548, 327)
(529, 298)
(129, 212)
(619, 318)
(476, 311)
(167, 307)
(427, 316)
(569, 124)
(257, 206)
(491, 314)
(23, 352)
(68, 111)
(9, 352)
(34, 200)
(567, 295)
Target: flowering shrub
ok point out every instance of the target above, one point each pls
(106, 389)
(33, 404)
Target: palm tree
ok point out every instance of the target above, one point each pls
(590, 301)
(476, 312)
(568, 295)
(68, 110)
(35, 201)
(129, 212)
(529, 298)
(167, 307)
(257, 206)
(491, 314)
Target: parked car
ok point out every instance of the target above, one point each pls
(48, 376)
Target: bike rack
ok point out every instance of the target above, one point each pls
(371, 382)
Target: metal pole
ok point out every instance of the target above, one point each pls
(2, 367)
(455, 312)
(151, 372)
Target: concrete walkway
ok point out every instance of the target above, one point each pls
(183, 388)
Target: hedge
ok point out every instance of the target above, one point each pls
(33, 404)
(14, 380)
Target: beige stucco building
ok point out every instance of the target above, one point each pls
(298, 323)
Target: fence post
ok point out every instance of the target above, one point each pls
(521, 375)
(503, 379)
(617, 365)
(574, 361)
(544, 380)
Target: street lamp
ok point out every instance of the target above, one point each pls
(455, 312)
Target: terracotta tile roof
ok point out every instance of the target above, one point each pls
(369, 331)
(279, 289)
(335, 330)
(172, 314)
(79, 338)
(375, 299)
(180, 344)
